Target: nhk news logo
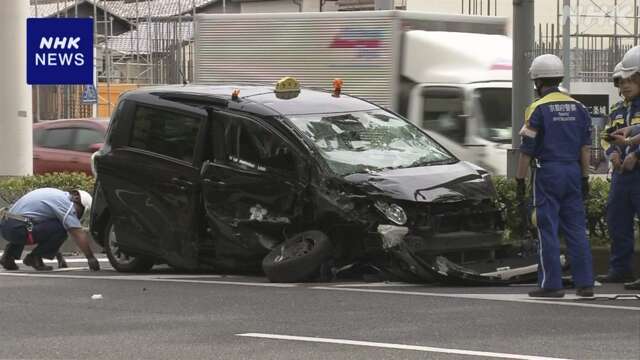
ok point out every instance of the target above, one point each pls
(60, 51)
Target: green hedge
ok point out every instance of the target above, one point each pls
(595, 206)
(12, 188)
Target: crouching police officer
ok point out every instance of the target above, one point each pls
(557, 137)
(44, 217)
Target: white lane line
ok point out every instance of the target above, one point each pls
(70, 269)
(153, 278)
(397, 346)
(69, 261)
(199, 279)
(497, 297)
(379, 284)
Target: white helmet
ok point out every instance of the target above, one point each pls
(617, 71)
(616, 76)
(85, 199)
(630, 62)
(546, 66)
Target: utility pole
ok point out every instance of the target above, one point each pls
(522, 94)
(16, 148)
(635, 22)
(566, 43)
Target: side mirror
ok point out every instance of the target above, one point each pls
(94, 147)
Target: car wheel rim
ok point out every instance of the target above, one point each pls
(299, 248)
(120, 257)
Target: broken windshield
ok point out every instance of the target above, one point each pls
(369, 141)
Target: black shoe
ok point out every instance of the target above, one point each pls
(632, 285)
(8, 263)
(36, 263)
(62, 263)
(615, 278)
(584, 291)
(547, 293)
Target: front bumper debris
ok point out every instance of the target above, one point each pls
(439, 269)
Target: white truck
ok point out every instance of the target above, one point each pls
(449, 74)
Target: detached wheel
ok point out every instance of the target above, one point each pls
(297, 258)
(121, 261)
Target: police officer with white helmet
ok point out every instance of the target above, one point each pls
(621, 230)
(45, 217)
(556, 138)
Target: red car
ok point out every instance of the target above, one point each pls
(67, 145)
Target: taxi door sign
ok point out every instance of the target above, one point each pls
(59, 51)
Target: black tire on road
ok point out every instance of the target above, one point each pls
(297, 258)
(119, 260)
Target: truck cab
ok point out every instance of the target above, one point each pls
(462, 97)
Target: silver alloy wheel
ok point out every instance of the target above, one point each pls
(118, 255)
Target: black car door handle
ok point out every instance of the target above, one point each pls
(215, 183)
(182, 183)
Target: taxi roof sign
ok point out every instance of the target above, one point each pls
(287, 84)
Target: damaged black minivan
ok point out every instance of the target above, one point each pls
(298, 183)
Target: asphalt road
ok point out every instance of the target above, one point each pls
(164, 315)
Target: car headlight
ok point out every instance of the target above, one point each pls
(393, 212)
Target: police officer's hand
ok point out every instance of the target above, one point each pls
(624, 132)
(618, 139)
(520, 202)
(520, 189)
(585, 187)
(94, 265)
(629, 162)
(615, 160)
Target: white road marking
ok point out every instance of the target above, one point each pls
(152, 278)
(523, 298)
(69, 261)
(378, 284)
(397, 346)
(70, 269)
(569, 300)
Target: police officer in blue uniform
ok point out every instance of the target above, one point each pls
(624, 200)
(556, 137)
(622, 239)
(616, 120)
(44, 217)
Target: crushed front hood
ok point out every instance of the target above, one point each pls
(438, 183)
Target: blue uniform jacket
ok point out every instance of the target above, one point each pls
(556, 128)
(617, 119)
(633, 119)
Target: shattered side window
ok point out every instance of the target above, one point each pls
(259, 149)
(370, 141)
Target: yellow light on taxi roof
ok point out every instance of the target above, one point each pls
(287, 84)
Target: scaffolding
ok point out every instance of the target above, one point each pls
(594, 53)
(136, 42)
